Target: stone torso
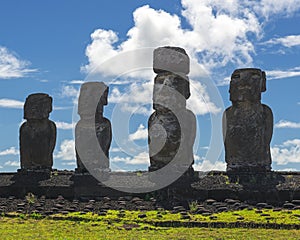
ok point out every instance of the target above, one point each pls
(164, 138)
(37, 144)
(104, 135)
(245, 133)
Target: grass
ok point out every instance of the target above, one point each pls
(128, 225)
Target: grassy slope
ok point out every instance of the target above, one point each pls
(127, 225)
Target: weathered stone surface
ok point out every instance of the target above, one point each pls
(171, 59)
(247, 124)
(93, 96)
(37, 134)
(172, 127)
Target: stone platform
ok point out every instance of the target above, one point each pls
(274, 187)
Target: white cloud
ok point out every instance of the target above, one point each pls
(207, 40)
(208, 43)
(271, 75)
(271, 7)
(279, 74)
(141, 133)
(62, 108)
(288, 152)
(289, 170)
(9, 151)
(11, 103)
(11, 66)
(66, 150)
(134, 98)
(64, 125)
(135, 93)
(206, 165)
(69, 91)
(12, 164)
(208, 36)
(200, 102)
(287, 41)
(69, 163)
(141, 158)
(115, 149)
(287, 124)
(76, 82)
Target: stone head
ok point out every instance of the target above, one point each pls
(171, 91)
(37, 106)
(93, 95)
(247, 84)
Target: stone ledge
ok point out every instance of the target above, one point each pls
(279, 187)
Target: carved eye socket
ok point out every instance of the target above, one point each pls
(159, 81)
(236, 75)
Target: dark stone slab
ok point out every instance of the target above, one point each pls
(65, 186)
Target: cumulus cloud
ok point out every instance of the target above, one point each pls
(64, 125)
(76, 82)
(141, 133)
(134, 98)
(287, 41)
(200, 102)
(69, 163)
(207, 165)
(270, 7)
(141, 158)
(280, 74)
(288, 152)
(289, 170)
(271, 75)
(11, 66)
(115, 149)
(207, 41)
(208, 36)
(12, 164)
(286, 124)
(141, 94)
(69, 91)
(9, 151)
(11, 103)
(66, 150)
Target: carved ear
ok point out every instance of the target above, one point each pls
(187, 92)
(50, 104)
(263, 84)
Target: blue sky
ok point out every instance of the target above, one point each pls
(52, 47)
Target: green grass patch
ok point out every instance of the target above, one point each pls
(134, 225)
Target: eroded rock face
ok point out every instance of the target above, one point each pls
(37, 134)
(172, 127)
(93, 125)
(247, 124)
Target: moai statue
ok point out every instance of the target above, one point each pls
(247, 124)
(92, 125)
(172, 127)
(37, 134)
